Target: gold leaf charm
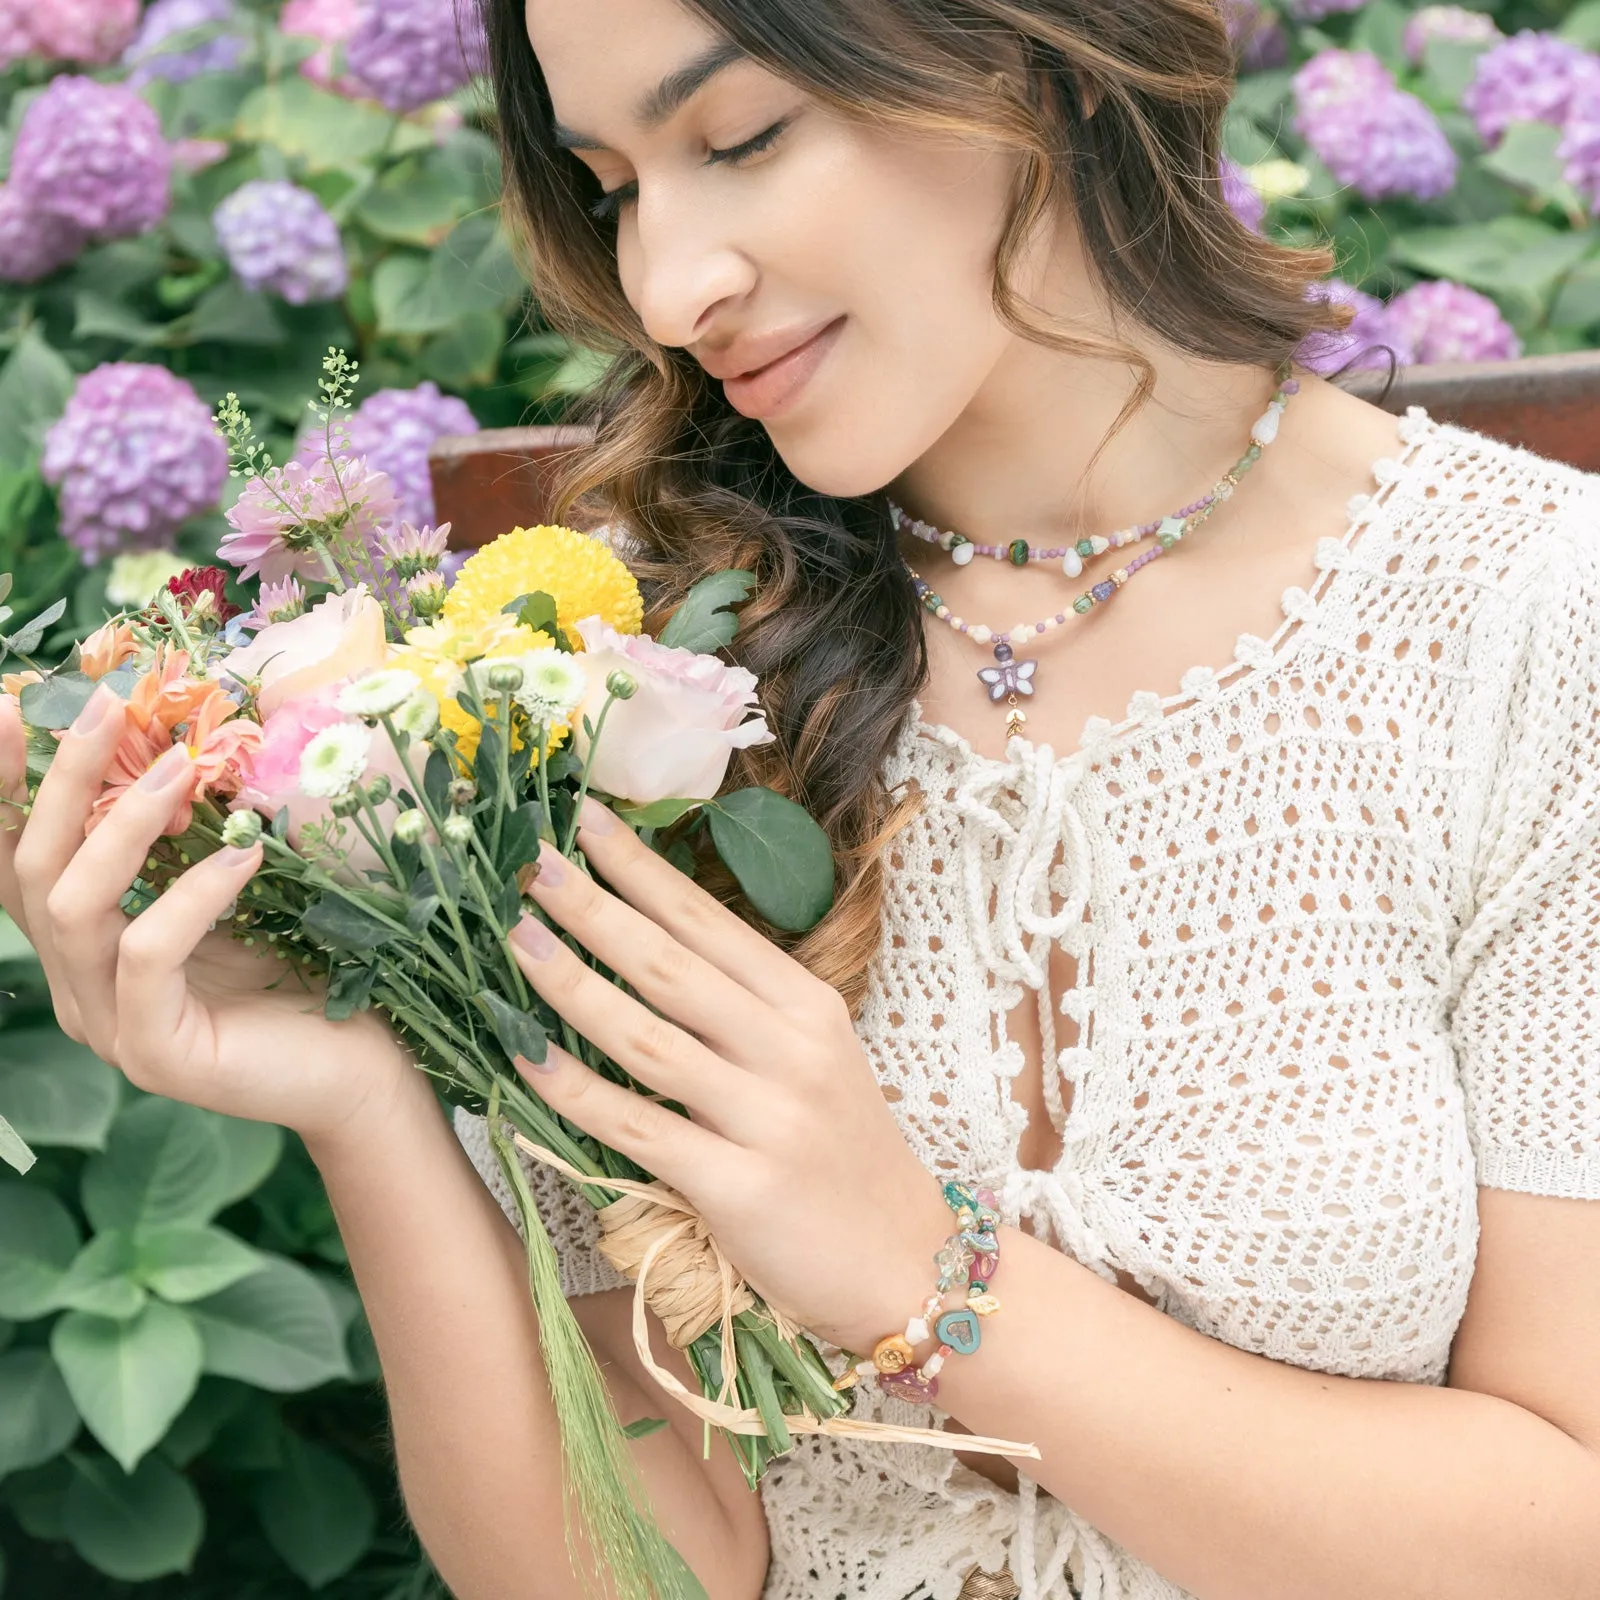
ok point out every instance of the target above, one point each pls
(1016, 719)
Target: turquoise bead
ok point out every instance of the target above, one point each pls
(960, 1330)
(1018, 551)
(1082, 605)
(1084, 547)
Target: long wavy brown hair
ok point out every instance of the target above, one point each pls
(1117, 109)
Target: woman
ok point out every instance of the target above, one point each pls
(1266, 1011)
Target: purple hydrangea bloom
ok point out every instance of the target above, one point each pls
(391, 430)
(149, 56)
(92, 154)
(1259, 38)
(93, 32)
(1370, 135)
(277, 236)
(1243, 200)
(406, 53)
(1580, 150)
(1446, 321)
(32, 243)
(1366, 342)
(1532, 77)
(135, 454)
(1453, 23)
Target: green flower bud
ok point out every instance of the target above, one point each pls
(380, 789)
(458, 828)
(345, 805)
(241, 830)
(410, 826)
(462, 792)
(622, 685)
(505, 677)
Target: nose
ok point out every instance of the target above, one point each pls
(679, 266)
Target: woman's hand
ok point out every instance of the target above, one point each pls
(790, 1152)
(183, 1011)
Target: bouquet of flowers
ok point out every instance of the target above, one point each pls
(401, 746)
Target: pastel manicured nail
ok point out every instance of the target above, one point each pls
(594, 817)
(232, 855)
(549, 1064)
(534, 939)
(552, 866)
(94, 712)
(167, 771)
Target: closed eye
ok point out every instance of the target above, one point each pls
(609, 205)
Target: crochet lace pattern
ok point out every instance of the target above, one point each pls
(1343, 902)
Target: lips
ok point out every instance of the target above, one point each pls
(763, 391)
(749, 353)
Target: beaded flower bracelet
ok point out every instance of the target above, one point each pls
(971, 1252)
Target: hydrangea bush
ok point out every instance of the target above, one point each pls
(199, 196)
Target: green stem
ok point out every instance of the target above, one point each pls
(430, 858)
(549, 829)
(583, 783)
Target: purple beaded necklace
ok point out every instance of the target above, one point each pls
(1010, 677)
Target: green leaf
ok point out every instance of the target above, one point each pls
(182, 1262)
(56, 700)
(98, 317)
(37, 1417)
(215, 1403)
(129, 1379)
(416, 202)
(658, 814)
(316, 1513)
(35, 384)
(1380, 27)
(250, 1150)
(27, 638)
(520, 1032)
(163, 1162)
(1576, 305)
(1527, 157)
(472, 270)
(136, 1527)
(56, 1092)
(1448, 66)
(536, 611)
(100, 1279)
(1581, 26)
(335, 923)
(779, 854)
(233, 314)
(276, 1329)
(466, 355)
(38, 1240)
(13, 1149)
(325, 131)
(519, 837)
(644, 1427)
(703, 621)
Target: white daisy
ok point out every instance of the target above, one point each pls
(418, 717)
(552, 685)
(333, 762)
(379, 693)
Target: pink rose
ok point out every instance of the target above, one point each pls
(272, 773)
(675, 737)
(339, 638)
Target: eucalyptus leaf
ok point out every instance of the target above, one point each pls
(702, 622)
(27, 639)
(56, 700)
(778, 853)
(14, 1149)
(520, 1032)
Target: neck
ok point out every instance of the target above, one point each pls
(1021, 462)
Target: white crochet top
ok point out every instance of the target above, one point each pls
(1344, 900)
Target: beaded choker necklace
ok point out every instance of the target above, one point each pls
(1010, 677)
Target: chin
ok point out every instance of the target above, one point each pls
(843, 458)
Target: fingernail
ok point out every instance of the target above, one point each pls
(552, 866)
(534, 939)
(167, 771)
(94, 712)
(549, 1064)
(595, 817)
(233, 855)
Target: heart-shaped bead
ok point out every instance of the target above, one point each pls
(959, 1330)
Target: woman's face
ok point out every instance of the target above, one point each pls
(836, 276)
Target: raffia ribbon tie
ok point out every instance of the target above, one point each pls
(698, 1288)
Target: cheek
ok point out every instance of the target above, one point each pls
(902, 238)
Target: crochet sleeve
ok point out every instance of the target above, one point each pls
(1526, 1021)
(568, 1217)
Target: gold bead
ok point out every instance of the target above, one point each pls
(892, 1353)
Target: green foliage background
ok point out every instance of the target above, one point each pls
(189, 1400)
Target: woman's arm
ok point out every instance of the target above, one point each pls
(444, 1280)
(1242, 1478)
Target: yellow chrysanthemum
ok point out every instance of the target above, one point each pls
(578, 572)
(438, 653)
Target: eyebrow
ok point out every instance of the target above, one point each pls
(667, 96)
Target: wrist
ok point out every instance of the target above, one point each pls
(396, 1103)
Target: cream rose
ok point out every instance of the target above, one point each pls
(340, 637)
(674, 738)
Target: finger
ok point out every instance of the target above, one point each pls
(85, 911)
(669, 975)
(669, 1147)
(157, 1018)
(13, 800)
(659, 1054)
(694, 918)
(55, 829)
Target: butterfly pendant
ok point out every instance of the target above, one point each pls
(1009, 677)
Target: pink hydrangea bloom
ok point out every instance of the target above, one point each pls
(286, 516)
(331, 22)
(94, 32)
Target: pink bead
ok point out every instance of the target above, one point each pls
(985, 1267)
(909, 1385)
